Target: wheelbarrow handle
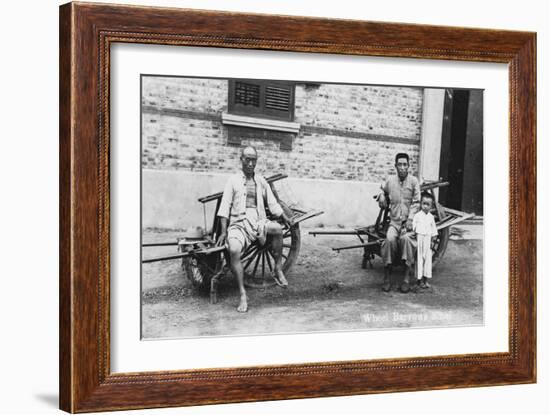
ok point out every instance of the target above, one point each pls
(200, 251)
(378, 242)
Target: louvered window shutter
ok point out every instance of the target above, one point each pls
(247, 94)
(278, 100)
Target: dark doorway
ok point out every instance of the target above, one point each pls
(461, 162)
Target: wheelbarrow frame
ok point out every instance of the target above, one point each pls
(204, 263)
(371, 237)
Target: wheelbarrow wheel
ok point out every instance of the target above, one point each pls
(195, 273)
(200, 269)
(258, 261)
(439, 246)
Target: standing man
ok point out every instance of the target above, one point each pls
(402, 194)
(243, 220)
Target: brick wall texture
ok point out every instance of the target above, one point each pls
(348, 132)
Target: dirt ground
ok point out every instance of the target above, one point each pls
(327, 291)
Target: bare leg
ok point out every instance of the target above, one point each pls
(275, 232)
(237, 269)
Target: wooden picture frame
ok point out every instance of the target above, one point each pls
(86, 33)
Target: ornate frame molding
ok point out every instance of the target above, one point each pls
(86, 33)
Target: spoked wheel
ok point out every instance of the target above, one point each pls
(200, 269)
(439, 246)
(258, 261)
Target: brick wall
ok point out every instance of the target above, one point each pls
(347, 132)
(193, 94)
(387, 111)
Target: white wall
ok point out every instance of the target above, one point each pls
(170, 199)
(28, 305)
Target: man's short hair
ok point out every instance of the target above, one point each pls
(427, 195)
(401, 156)
(246, 147)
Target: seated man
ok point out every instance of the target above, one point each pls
(403, 191)
(243, 208)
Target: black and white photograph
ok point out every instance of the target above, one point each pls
(203, 211)
(288, 206)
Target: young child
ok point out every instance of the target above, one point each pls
(424, 226)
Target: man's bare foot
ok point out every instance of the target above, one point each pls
(243, 305)
(280, 279)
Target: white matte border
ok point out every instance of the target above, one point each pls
(130, 354)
